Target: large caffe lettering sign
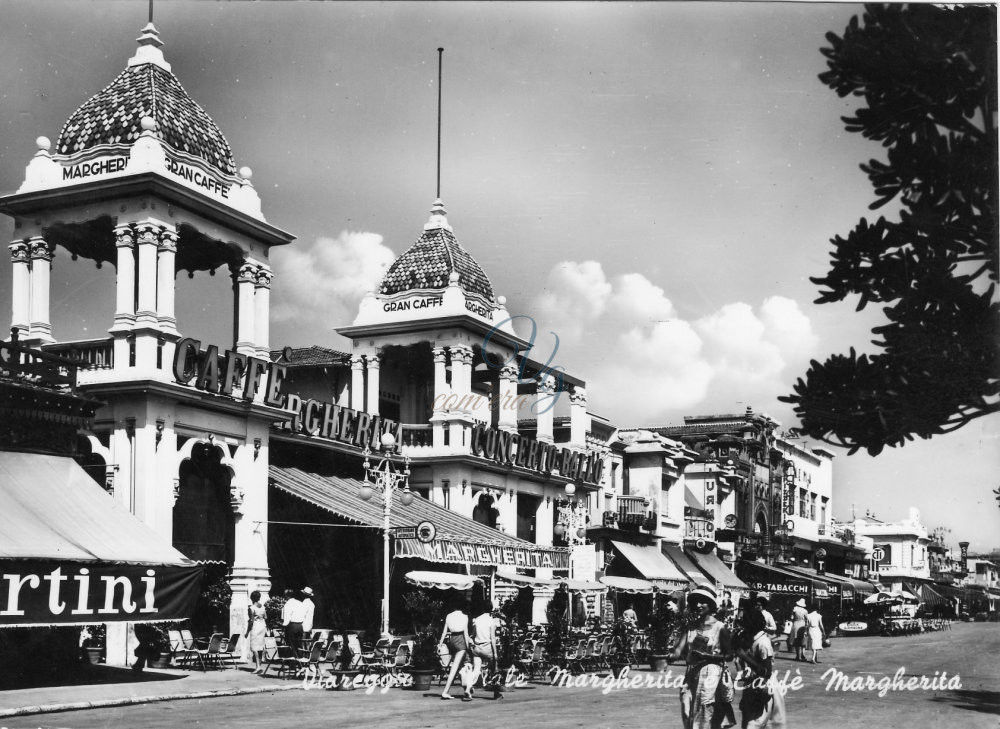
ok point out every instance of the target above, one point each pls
(517, 450)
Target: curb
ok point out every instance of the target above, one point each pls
(130, 700)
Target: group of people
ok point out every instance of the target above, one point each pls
(296, 621)
(471, 642)
(707, 645)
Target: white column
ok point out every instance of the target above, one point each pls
(165, 295)
(544, 407)
(508, 399)
(250, 568)
(147, 325)
(374, 361)
(358, 382)
(124, 295)
(440, 377)
(507, 506)
(262, 311)
(461, 386)
(40, 326)
(245, 326)
(578, 417)
(20, 258)
(544, 515)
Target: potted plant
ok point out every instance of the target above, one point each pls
(662, 626)
(162, 644)
(425, 614)
(93, 642)
(624, 634)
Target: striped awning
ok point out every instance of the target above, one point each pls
(651, 565)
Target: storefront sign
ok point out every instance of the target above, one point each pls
(499, 446)
(232, 374)
(446, 550)
(779, 587)
(63, 593)
(424, 302)
(202, 179)
(854, 626)
(333, 422)
(102, 166)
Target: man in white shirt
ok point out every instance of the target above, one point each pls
(308, 608)
(291, 619)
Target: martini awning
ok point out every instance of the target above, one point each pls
(61, 533)
(769, 578)
(676, 554)
(650, 563)
(459, 540)
(715, 568)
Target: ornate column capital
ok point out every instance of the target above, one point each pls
(168, 241)
(508, 372)
(545, 386)
(461, 353)
(20, 252)
(147, 233)
(39, 249)
(263, 277)
(246, 273)
(374, 361)
(578, 396)
(124, 236)
(357, 362)
(440, 355)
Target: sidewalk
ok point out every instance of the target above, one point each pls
(104, 686)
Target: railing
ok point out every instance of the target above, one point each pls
(632, 510)
(89, 354)
(699, 529)
(35, 365)
(418, 435)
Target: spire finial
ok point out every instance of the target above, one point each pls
(440, 64)
(150, 11)
(149, 46)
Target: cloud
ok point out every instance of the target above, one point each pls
(325, 282)
(644, 363)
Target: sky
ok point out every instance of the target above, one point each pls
(653, 183)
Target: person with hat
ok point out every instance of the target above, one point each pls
(308, 611)
(706, 646)
(797, 635)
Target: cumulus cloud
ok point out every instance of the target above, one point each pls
(644, 363)
(326, 281)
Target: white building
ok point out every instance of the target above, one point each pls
(900, 549)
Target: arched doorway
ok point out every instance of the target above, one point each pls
(204, 522)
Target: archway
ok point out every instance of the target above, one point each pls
(204, 522)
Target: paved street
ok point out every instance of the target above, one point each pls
(971, 650)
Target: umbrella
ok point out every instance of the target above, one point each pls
(441, 580)
(524, 580)
(629, 585)
(880, 597)
(583, 587)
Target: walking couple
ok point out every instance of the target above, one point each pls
(476, 640)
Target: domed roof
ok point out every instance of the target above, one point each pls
(146, 88)
(430, 262)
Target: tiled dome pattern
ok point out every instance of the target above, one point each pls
(113, 115)
(428, 263)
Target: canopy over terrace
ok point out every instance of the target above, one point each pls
(65, 543)
(458, 540)
(777, 580)
(838, 587)
(651, 565)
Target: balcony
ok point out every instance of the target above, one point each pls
(632, 511)
(418, 435)
(89, 354)
(697, 528)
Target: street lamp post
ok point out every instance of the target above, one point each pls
(385, 478)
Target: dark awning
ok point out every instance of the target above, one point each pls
(931, 596)
(60, 531)
(676, 554)
(769, 578)
(716, 569)
(836, 586)
(459, 539)
(651, 565)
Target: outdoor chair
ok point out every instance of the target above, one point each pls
(534, 665)
(575, 656)
(210, 655)
(354, 643)
(228, 652)
(180, 653)
(331, 655)
(401, 661)
(270, 647)
(308, 664)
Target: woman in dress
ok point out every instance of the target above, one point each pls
(762, 703)
(256, 627)
(706, 646)
(796, 637)
(484, 648)
(815, 630)
(455, 636)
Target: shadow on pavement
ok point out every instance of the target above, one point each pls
(987, 702)
(85, 675)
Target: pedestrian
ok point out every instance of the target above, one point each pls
(308, 610)
(455, 637)
(291, 621)
(815, 630)
(706, 645)
(797, 635)
(484, 650)
(256, 628)
(762, 703)
(148, 649)
(770, 626)
(630, 617)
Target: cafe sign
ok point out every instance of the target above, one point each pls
(513, 449)
(459, 552)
